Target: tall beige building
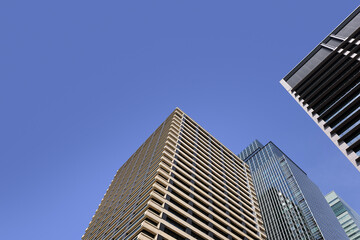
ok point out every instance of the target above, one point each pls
(181, 183)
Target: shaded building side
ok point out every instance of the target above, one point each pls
(326, 84)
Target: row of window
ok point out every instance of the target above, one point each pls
(220, 220)
(214, 161)
(130, 180)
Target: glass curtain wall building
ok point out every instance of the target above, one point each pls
(292, 205)
(181, 184)
(326, 84)
(348, 218)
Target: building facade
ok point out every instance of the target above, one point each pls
(348, 218)
(292, 206)
(181, 183)
(326, 84)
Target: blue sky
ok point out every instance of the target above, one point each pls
(84, 83)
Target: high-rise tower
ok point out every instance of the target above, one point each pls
(292, 206)
(326, 84)
(348, 218)
(181, 183)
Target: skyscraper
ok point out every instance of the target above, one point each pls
(348, 218)
(181, 183)
(326, 84)
(292, 206)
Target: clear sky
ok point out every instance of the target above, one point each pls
(84, 83)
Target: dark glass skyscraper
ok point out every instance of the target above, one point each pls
(292, 205)
(326, 84)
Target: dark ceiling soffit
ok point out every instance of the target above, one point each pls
(317, 48)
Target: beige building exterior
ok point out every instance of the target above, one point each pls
(181, 183)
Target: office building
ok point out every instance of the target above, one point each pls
(292, 206)
(181, 183)
(348, 218)
(326, 84)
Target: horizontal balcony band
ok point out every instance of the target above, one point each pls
(332, 72)
(357, 161)
(353, 92)
(319, 69)
(350, 135)
(344, 125)
(329, 88)
(354, 147)
(342, 114)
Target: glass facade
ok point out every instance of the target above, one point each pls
(348, 218)
(292, 205)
